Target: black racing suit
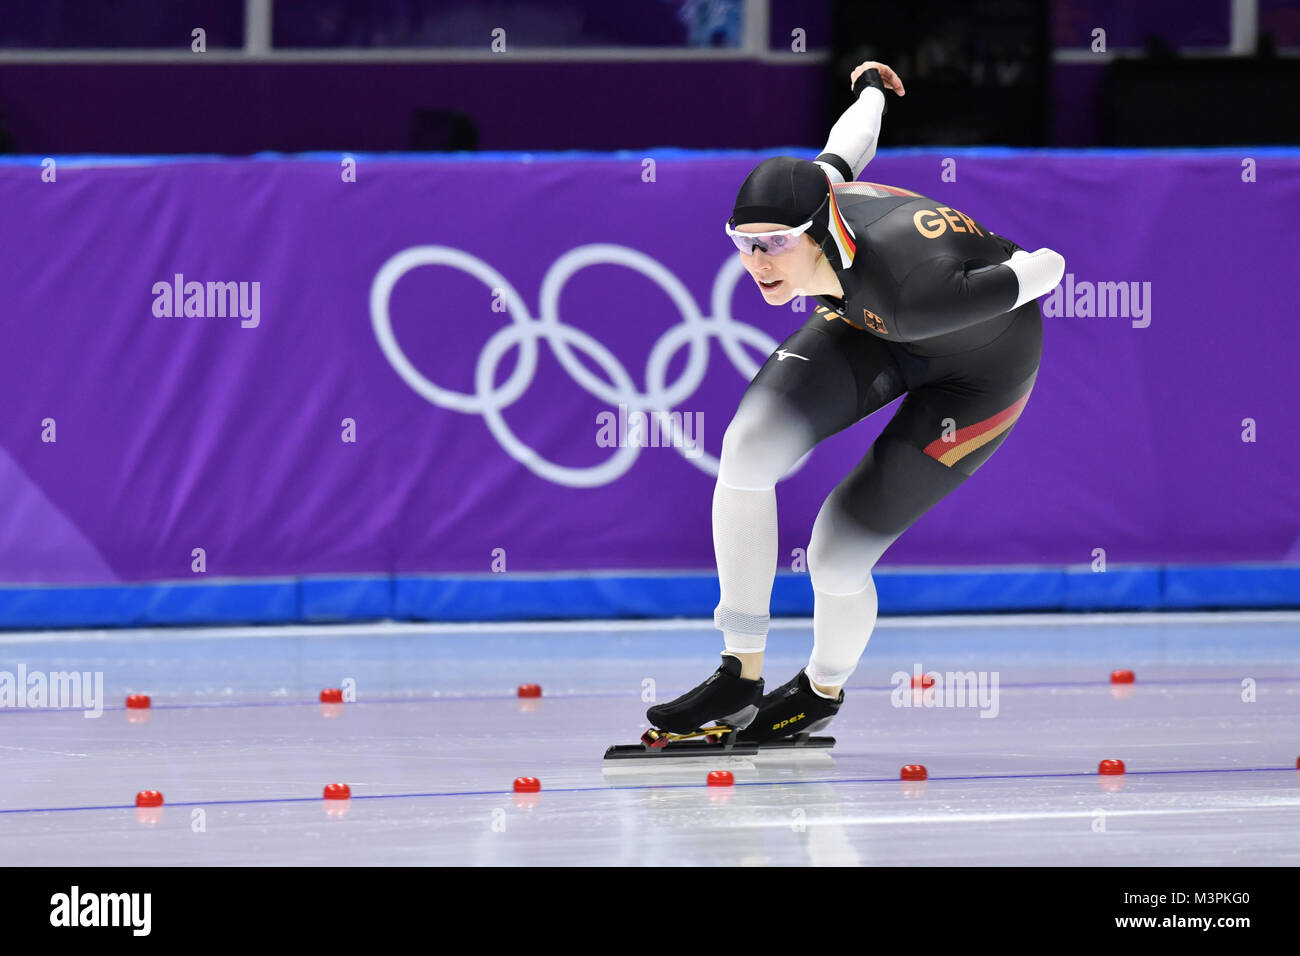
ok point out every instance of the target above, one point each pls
(927, 312)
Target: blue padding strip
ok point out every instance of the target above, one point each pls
(568, 595)
(346, 599)
(1232, 586)
(247, 601)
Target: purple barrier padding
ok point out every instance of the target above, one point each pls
(178, 433)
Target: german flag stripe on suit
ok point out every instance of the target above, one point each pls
(968, 439)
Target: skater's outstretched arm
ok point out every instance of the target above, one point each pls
(852, 142)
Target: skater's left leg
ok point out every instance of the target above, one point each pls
(909, 469)
(895, 483)
(867, 512)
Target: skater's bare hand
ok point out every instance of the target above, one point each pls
(887, 76)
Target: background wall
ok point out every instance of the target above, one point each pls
(380, 436)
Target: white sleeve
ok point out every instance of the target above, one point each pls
(1038, 272)
(854, 135)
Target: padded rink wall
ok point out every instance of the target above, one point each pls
(258, 391)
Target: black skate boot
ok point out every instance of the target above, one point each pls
(793, 708)
(725, 698)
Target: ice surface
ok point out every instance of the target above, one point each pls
(241, 749)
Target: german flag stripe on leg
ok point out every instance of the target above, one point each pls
(967, 439)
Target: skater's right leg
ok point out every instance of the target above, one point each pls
(823, 378)
(764, 440)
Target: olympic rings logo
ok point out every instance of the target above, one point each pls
(524, 331)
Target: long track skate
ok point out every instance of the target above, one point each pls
(716, 741)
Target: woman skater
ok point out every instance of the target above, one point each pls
(917, 300)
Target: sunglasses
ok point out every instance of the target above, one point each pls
(774, 243)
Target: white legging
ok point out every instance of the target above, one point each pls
(764, 440)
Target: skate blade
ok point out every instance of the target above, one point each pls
(677, 770)
(691, 755)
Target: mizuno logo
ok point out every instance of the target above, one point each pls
(782, 355)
